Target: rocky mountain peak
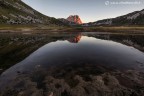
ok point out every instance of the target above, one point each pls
(74, 18)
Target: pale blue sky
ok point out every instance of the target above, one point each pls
(88, 10)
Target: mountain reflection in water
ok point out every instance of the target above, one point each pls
(75, 39)
(85, 56)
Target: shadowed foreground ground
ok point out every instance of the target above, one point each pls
(129, 83)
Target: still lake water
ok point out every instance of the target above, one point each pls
(82, 53)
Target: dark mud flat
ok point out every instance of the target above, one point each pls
(84, 65)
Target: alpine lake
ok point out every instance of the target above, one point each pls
(71, 64)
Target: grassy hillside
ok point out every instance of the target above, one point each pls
(17, 12)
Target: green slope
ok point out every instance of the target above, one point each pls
(17, 12)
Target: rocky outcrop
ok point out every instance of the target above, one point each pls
(74, 18)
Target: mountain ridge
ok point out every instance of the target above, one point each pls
(72, 20)
(133, 18)
(17, 12)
